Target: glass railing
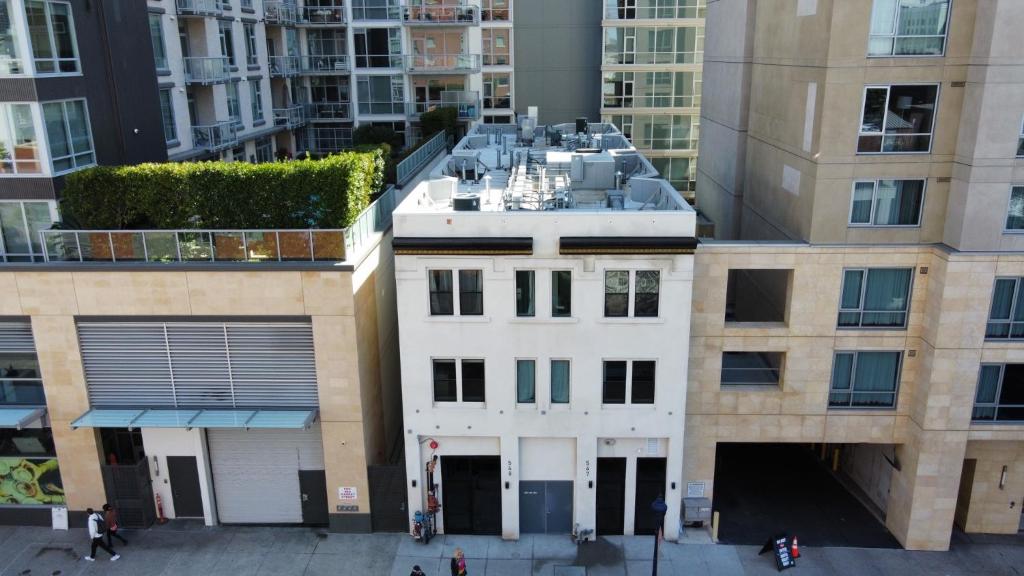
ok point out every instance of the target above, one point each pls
(413, 163)
(466, 101)
(280, 13)
(198, 7)
(325, 64)
(322, 15)
(194, 245)
(206, 69)
(376, 218)
(328, 111)
(290, 117)
(281, 66)
(214, 137)
(326, 140)
(442, 62)
(391, 11)
(446, 15)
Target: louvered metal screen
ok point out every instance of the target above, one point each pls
(199, 364)
(16, 337)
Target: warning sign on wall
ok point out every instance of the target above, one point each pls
(347, 493)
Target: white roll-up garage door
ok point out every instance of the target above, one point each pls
(256, 473)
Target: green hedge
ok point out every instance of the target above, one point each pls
(325, 193)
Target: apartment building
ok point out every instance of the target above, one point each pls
(543, 288)
(868, 163)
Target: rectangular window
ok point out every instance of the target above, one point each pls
(20, 223)
(1000, 395)
(646, 288)
(441, 293)
(11, 57)
(1006, 314)
(20, 380)
(234, 106)
(875, 297)
(559, 381)
(251, 55)
(897, 119)
(496, 46)
(494, 10)
(167, 115)
(908, 27)
(654, 45)
(525, 293)
(654, 9)
(1020, 141)
(19, 146)
(69, 135)
(156, 35)
(887, 203)
(864, 380)
(227, 41)
(471, 292)
(51, 32)
(614, 388)
(256, 100)
(381, 94)
(472, 380)
(1015, 212)
(645, 302)
(616, 293)
(526, 385)
(651, 90)
(561, 293)
(264, 150)
(497, 90)
(642, 389)
(751, 368)
(445, 389)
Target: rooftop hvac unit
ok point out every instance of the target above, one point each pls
(616, 200)
(466, 202)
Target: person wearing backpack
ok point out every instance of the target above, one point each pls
(97, 528)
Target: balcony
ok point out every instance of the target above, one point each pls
(328, 111)
(440, 15)
(380, 61)
(215, 137)
(199, 8)
(327, 140)
(442, 63)
(291, 117)
(280, 13)
(326, 65)
(206, 70)
(466, 102)
(284, 66)
(322, 16)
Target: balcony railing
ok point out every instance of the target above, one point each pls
(285, 66)
(440, 15)
(290, 117)
(325, 64)
(380, 61)
(194, 245)
(327, 140)
(281, 13)
(198, 7)
(207, 70)
(328, 111)
(322, 16)
(215, 137)
(376, 218)
(391, 11)
(440, 63)
(414, 162)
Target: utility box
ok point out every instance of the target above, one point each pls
(696, 511)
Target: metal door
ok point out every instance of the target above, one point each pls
(558, 507)
(184, 474)
(313, 487)
(650, 483)
(388, 497)
(532, 507)
(471, 494)
(130, 489)
(611, 495)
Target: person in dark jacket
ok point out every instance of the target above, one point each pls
(417, 571)
(459, 563)
(110, 517)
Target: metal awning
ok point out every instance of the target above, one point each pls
(19, 417)
(194, 418)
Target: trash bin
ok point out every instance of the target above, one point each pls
(696, 511)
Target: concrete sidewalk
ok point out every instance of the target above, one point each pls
(194, 550)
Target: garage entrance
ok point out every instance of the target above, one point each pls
(471, 494)
(764, 489)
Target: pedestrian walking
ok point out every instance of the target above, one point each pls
(417, 571)
(110, 517)
(97, 527)
(459, 563)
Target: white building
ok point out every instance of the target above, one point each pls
(544, 313)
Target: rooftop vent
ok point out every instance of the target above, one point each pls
(466, 202)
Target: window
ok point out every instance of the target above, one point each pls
(681, 173)
(887, 203)
(525, 293)
(19, 147)
(20, 223)
(616, 293)
(20, 380)
(264, 150)
(654, 9)
(1006, 314)
(245, 3)
(908, 27)
(381, 94)
(1020, 141)
(897, 119)
(1015, 212)
(757, 295)
(559, 381)
(156, 35)
(1000, 395)
(51, 31)
(639, 387)
(251, 55)
(234, 106)
(494, 10)
(526, 388)
(751, 368)
(497, 90)
(875, 298)
(561, 293)
(864, 380)
(654, 45)
(645, 294)
(256, 100)
(441, 293)
(646, 298)
(472, 380)
(651, 90)
(378, 47)
(11, 58)
(69, 135)
(496, 46)
(445, 385)
(167, 115)
(471, 293)
(664, 131)
(375, 9)
(227, 41)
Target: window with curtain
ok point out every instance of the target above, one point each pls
(559, 381)
(875, 297)
(256, 100)
(51, 32)
(887, 203)
(441, 292)
(525, 306)
(526, 385)
(897, 119)
(472, 380)
(69, 135)
(471, 292)
(616, 293)
(864, 380)
(1006, 314)
(1015, 211)
(167, 115)
(19, 145)
(751, 368)
(445, 388)
(561, 293)
(1000, 394)
(908, 27)
(648, 285)
(156, 35)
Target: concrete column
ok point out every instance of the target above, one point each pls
(629, 515)
(510, 487)
(415, 472)
(673, 477)
(586, 484)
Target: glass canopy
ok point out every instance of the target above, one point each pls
(20, 416)
(179, 418)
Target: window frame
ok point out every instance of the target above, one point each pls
(874, 204)
(173, 140)
(56, 60)
(256, 101)
(888, 94)
(235, 117)
(252, 54)
(863, 290)
(1009, 203)
(226, 36)
(551, 382)
(32, 255)
(519, 363)
(462, 293)
(779, 377)
(42, 150)
(1018, 285)
(460, 380)
(158, 18)
(433, 379)
(628, 389)
(67, 133)
(554, 284)
(853, 378)
(532, 274)
(451, 295)
(631, 293)
(894, 36)
(995, 405)
(1020, 140)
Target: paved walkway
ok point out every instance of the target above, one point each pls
(296, 551)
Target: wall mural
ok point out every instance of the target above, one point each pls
(30, 481)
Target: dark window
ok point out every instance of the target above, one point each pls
(897, 119)
(751, 368)
(757, 295)
(526, 381)
(525, 293)
(28, 443)
(865, 379)
(616, 293)
(561, 293)
(472, 380)
(614, 391)
(20, 382)
(1000, 395)
(643, 382)
(646, 298)
(1006, 314)
(444, 381)
(471, 293)
(441, 295)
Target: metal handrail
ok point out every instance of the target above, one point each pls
(285, 65)
(323, 15)
(207, 69)
(407, 168)
(290, 116)
(284, 12)
(198, 7)
(328, 110)
(325, 139)
(213, 137)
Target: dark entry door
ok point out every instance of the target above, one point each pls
(184, 474)
(130, 489)
(611, 495)
(532, 512)
(388, 498)
(471, 494)
(650, 483)
(313, 487)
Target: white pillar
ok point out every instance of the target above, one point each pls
(586, 484)
(629, 515)
(415, 473)
(509, 487)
